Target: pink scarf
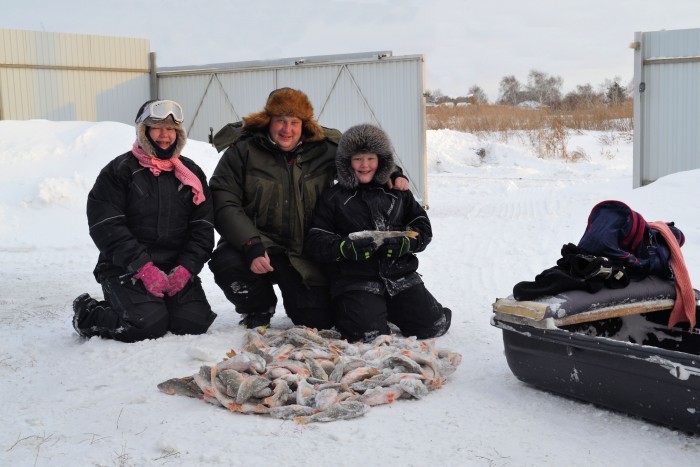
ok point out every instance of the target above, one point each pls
(182, 173)
(684, 306)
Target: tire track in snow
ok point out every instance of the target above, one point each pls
(481, 250)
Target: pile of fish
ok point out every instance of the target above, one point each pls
(309, 376)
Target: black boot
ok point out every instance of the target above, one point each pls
(444, 326)
(82, 306)
(257, 319)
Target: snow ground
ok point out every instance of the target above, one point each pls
(497, 220)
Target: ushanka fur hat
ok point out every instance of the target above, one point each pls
(287, 102)
(168, 122)
(359, 139)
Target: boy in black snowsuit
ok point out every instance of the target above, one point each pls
(373, 281)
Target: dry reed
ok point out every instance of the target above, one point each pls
(546, 129)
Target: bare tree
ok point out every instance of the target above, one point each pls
(583, 97)
(508, 90)
(477, 95)
(615, 93)
(432, 97)
(543, 88)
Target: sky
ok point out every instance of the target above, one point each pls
(497, 219)
(464, 43)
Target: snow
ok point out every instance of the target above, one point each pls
(500, 215)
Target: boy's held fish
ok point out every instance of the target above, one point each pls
(378, 236)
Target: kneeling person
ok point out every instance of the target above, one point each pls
(371, 284)
(150, 211)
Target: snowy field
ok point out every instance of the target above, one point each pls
(497, 220)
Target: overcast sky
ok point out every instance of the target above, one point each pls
(465, 43)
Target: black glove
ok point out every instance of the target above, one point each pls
(252, 249)
(357, 250)
(396, 247)
(589, 267)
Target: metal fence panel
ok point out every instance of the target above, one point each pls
(667, 99)
(213, 99)
(344, 91)
(61, 76)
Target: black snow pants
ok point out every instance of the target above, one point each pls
(254, 293)
(361, 315)
(129, 313)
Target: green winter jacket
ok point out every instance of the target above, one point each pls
(257, 193)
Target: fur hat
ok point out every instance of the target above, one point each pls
(287, 102)
(364, 138)
(168, 123)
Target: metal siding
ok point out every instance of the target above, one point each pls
(247, 90)
(387, 92)
(389, 86)
(211, 100)
(61, 76)
(666, 113)
(82, 77)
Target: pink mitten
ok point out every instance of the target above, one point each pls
(155, 280)
(178, 280)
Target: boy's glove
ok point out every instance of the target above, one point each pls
(357, 250)
(179, 277)
(396, 247)
(155, 280)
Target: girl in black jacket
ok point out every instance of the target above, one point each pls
(150, 214)
(374, 281)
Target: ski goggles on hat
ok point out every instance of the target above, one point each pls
(160, 110)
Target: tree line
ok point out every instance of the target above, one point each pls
(541, 90)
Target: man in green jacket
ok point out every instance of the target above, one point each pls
(265, 188)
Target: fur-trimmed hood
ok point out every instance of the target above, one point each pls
(146, 144)
(364, 138)
(286, 102)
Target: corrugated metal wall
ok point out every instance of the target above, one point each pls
(666, 103)
(60, 76)
(344, 90)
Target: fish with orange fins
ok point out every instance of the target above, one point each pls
(309, 376)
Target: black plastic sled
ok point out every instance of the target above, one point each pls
(631, 363)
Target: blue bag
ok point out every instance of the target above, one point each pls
(617, 232)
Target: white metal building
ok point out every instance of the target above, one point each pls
(666, 103)
(345, 90)
(59, 76)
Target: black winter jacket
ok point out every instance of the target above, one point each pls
(341, 211)
(136, 217)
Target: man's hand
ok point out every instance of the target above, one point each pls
(261, 265)
(255, 254)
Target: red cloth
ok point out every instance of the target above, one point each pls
(182, 173)
(684, 306)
